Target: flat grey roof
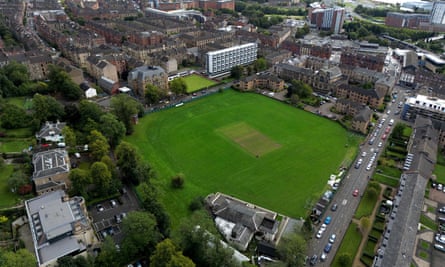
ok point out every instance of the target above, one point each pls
(59, 249)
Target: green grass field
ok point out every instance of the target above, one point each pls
(196, 82)
(245, 145)
(7, 198)
(350, 244)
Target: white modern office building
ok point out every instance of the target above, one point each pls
(220, 62)
(438, 13)
(431, 107)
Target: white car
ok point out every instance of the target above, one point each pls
(380, 144)
(323, 227)
(363, 154)
(332, 238)
(319, 234)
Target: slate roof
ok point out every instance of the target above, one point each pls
(50, 162)
(364, 114)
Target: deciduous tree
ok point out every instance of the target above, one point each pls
(98, 145)
(178, 86)
(141, 234)
(168, 255)
(112, 129)
(21, 258)
(125, 108)
(46, 108)
(69, 136)
(292, 249)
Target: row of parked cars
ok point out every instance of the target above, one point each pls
(440, 236)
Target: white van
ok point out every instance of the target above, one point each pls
(391, 122)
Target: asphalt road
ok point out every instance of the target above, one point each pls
(354, 179)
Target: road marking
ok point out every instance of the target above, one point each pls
(344, 202)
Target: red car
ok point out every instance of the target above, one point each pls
(355, 193)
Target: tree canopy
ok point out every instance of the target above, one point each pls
(125, 108)
(178, 86)
(168, 255)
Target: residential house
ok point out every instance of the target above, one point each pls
(139, 77)
(360, 113)
(51, 170)
(59, 226)
(370, 97)
(261, 81)
(51, 132)
(98, 67)
(239, 221)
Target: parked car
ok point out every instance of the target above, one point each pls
(313, 260)
(113, 203)
(328, 220)
(440, 238)
(439, 187)
(328, 247)
(332, 238)
(334, 207)
(323, 227)
(439, 247)
(323, 256)
(319, 234)
(99, 207)
(118, 218)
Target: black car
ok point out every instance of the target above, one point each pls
(313, 260)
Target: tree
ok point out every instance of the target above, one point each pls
(112, 129)
(125, 108)
(300, 88)
(237, 72)
(21, 258)
(89, 110)
(98, 145)
(153, 94)
(60, 81)
(80, 179)
(69, 136)
(168, 255)
(260, 64)
(198, 238)
(109, 256)
(345, 259)
(46, 108)
(101, 176)
(127, 160)
(17, 179)
(178, 86)
(140, 233)
(14, 117)
(150, 202)
(78, 261)
(398, 130)
(292, 249)
(365, 223)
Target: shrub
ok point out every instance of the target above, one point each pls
(178, 181)
(197, 203)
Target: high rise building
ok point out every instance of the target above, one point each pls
(222, 61)
(438, 13)
(330, 19)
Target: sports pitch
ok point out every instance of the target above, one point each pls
(196, 82)
(245, 145)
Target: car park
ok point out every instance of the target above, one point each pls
(355, 193)
(334, 207)
(332, 238)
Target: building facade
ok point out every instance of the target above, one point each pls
(438, 13)
(222, 61)
(141, 76)
(59, 226)
(330, 19)
(431, 107)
